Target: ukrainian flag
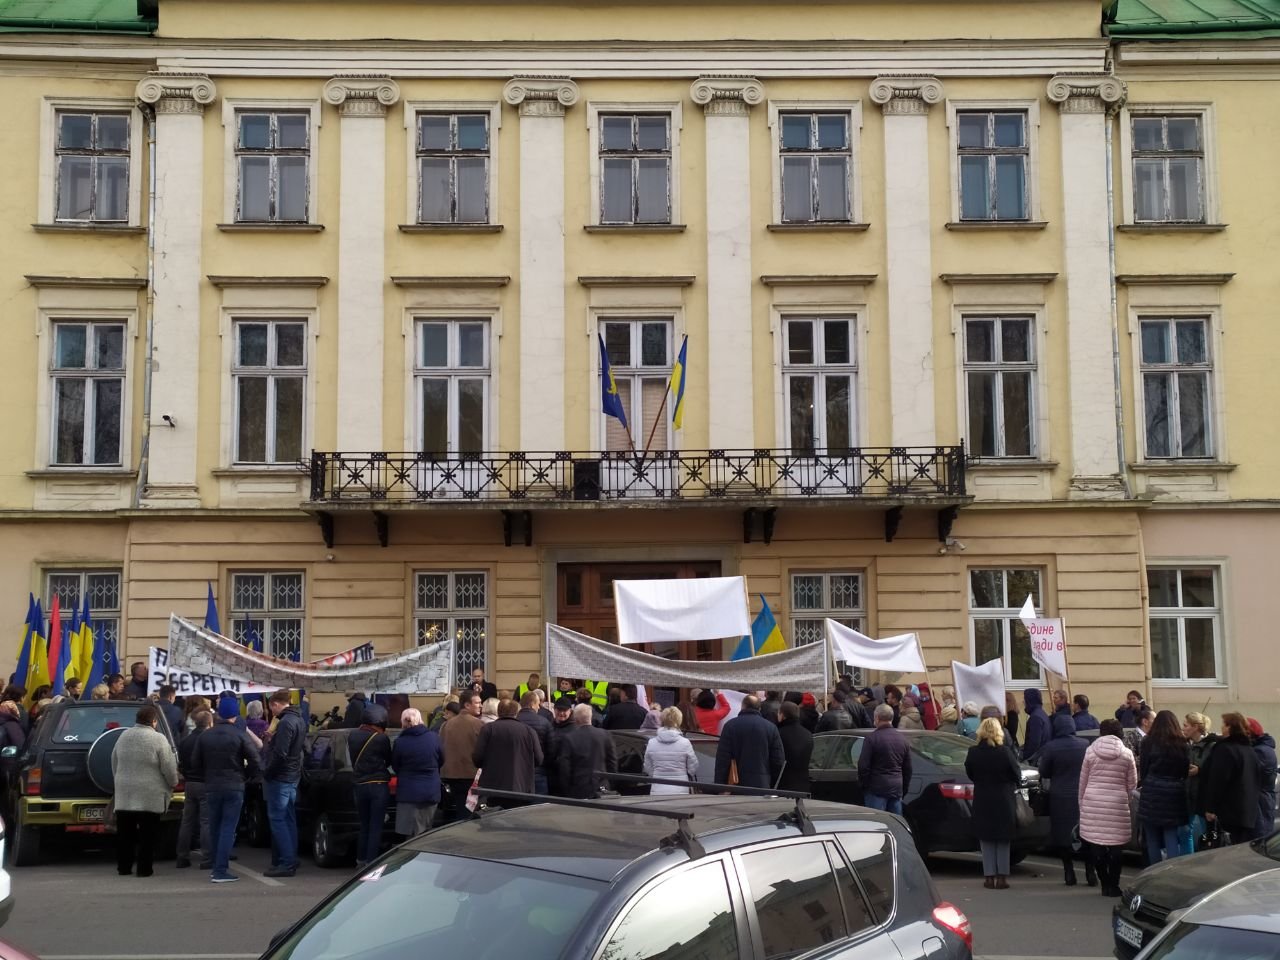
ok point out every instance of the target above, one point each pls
(82, 666)
(677, 384)
(765, 635)
(38, 662)
(29, 630)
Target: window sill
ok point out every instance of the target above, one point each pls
(83, 473)
(450, 228)
(1182, 466)
(635, 228)
(1190, 684)
(963, 225)
(102, 229)
(1171, 227)
(261, 470)
(1011, 465)
(818, 227)
(271, 227)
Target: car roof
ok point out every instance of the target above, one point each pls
(1247, 904)
(863, 731)
(599, 844)
(650, 734)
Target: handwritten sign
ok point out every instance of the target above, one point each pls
(189, 684)
(1048, 639)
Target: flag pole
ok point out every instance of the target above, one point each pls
(658, 419)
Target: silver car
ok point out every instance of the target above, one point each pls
(1240, 921)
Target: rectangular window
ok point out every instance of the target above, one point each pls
(102, 587)
(635, 168)
(995, 597)
(269, 608)
(816, 158)
(269, 374)
(819, 375)
(453, 167)
(88, 393)
(816, 596)
(92, 158)
(452, 374)
(795, 898)
(1000, 374)
(273, 153)
(640, 358)
(1186, 623)
(1168, 169)
(1177, 381)
(993, 155)
(453, 605)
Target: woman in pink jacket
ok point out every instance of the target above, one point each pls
(1107, 778)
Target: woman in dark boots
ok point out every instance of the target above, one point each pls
(1060, 764)
(1107, 778)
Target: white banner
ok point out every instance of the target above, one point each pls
(1048, 639)
(900, 653)
(983, 685)
(188, 684)
(698, 608)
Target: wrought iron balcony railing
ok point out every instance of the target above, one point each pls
(887, 474)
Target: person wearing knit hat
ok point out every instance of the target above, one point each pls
(226, 758)
(1264, 748)
(228, 709)
(809, 714)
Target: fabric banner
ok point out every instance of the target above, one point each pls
(698, 608)
(572, 654)
(1048, 639)
(735, 706)
(900, 653)
(984, 685)
(203, 685)
(425, 670)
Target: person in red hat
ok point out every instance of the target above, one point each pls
(809, 712)
(1264, 746)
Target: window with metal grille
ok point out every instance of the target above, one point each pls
(1186, 623)
(640, 359)
(1000, 372)
(454, 604)
(635, 168)
(816, 164)
(273, 153)
(1168, 169)
(819, 374)
(1177, 384)
(92, 159)
(996, 632)
(268, 610)
(452, 374)
(993, 157)
(453, 167)
(101, 587)
(818, 595)
(88, 393)
(269, 370)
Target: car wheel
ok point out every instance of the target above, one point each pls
(325, 849)
(26, 845)
(257, 830)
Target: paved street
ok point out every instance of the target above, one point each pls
(179, 915)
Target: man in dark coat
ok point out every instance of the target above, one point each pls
(281, 773)
(884, 766)
(624, 713)
(771, 706)
(584, 751)
(507, 753)
(836, 717)
(1061, 760)
(354, 716)
(560, 730)
(1080, 715)
(482, 686)
(531, 717)
(750, 742)
(797, 748)
(1037, 731)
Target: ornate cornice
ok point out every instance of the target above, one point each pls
(1087, 92)
(541, 96)
(362, 94)
(726, 95)
(903, 95)
(177, 92)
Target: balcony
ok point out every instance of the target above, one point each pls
(757, 481)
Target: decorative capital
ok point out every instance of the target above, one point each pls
(362, 94)
(177, 92)
(902, 95)
(541, 96)
(1087, 92)
(727, 96)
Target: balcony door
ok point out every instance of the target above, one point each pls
(451, 378)
(820, 377)
(640, 358)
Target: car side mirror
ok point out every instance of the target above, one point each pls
(8, 753)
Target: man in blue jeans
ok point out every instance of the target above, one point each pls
(884, 767)
(282, 769)
(226, 757)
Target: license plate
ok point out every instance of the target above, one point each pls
(1128, 933)
(91, 814)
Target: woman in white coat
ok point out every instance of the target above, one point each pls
(669, 755)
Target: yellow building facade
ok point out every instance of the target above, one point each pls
(306, 302)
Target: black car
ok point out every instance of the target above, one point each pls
(939, 804)
(631, 745)
(711, 877)
(1146, 902)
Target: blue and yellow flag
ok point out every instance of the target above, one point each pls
(610, 401)
(82, 666)
(677, 384)
(765, 635)
(38, 662)
(30, 628)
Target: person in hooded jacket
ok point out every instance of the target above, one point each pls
(1164, 764)
(797, 749)
(1230, 781)
(1264, 747)
(909, 716)
(669, 755)
(1060, 762)
(370, 751)
(1037, 730)
(356, 704)
(1107, 777)
(809, 715)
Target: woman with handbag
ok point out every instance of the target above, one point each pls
(1107, 778)
(1061, 760)
(1164, 766)
(996, 777)
(145, 771)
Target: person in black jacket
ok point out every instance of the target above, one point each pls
(370, 751)
(1130, 712)
(751, 743)
(532, 717)
(809, 715)
(624, 713)
(1061, 761)
(584, 751)
(172, 712)
(1163, 768)
(1230, 781)
(560, 730)
(507, 752)
(884, 766)
(225, 757)
(995, 773)
(1037, 731)
(281, 771)
(1264, 747)
(836, 717)
(797, 749)
(356, 704)
(195, 808)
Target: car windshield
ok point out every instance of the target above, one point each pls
(87, 725)
(425, 904)
(1192, 941)
(942, 748)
